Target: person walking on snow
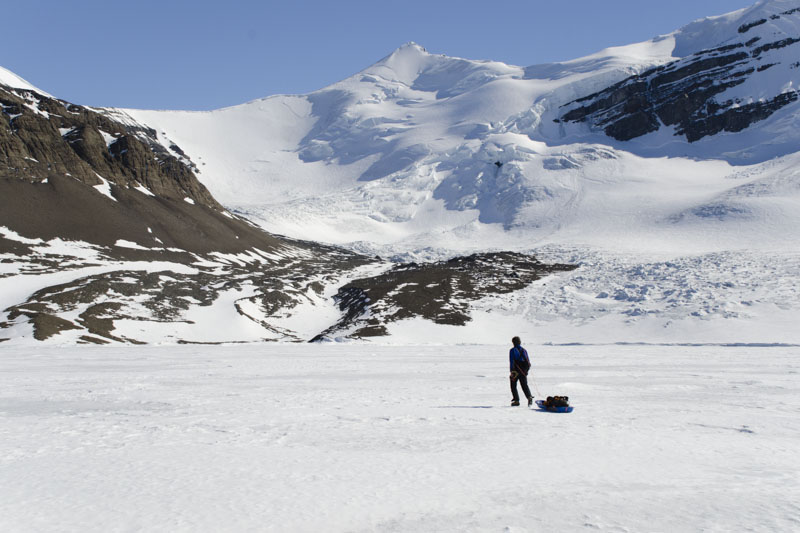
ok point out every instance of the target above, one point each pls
(520, 364)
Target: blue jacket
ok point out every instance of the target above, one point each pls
(517, 354)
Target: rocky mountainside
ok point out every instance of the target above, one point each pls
(697, 95)
(70, 172)
(42, 136)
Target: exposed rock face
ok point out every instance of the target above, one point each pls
(41, 136)
(684, 93)
(440, 292)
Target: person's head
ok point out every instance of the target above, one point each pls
(516, 341)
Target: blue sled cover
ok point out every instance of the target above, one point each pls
(543, 407)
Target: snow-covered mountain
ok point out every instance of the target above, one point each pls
(666, 169)
(427, 150)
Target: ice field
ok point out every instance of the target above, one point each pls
(368, 438)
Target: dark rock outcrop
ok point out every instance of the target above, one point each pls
(440, 292)
(684, 94)
(42, 136)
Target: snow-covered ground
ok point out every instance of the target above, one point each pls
(363, 438)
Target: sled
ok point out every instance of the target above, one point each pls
(543, 407)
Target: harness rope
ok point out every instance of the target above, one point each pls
(533, 380)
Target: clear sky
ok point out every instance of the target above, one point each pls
(177, 54)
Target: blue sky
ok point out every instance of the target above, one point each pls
(176, 54)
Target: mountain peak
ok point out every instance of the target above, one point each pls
(412, 46)
(409, 51)
(403, 64)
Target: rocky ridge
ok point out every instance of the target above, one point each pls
(690, 94)
(41, 136)
(439, 291)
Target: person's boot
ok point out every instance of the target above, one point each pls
(514, 402)
(530, 400)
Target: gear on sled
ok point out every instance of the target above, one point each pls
(555, 404)
(557, 401)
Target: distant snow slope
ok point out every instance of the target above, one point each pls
(423, 150)
(406, 146)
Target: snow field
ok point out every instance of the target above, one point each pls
(367, 438)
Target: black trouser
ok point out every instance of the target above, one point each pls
(523, 380)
